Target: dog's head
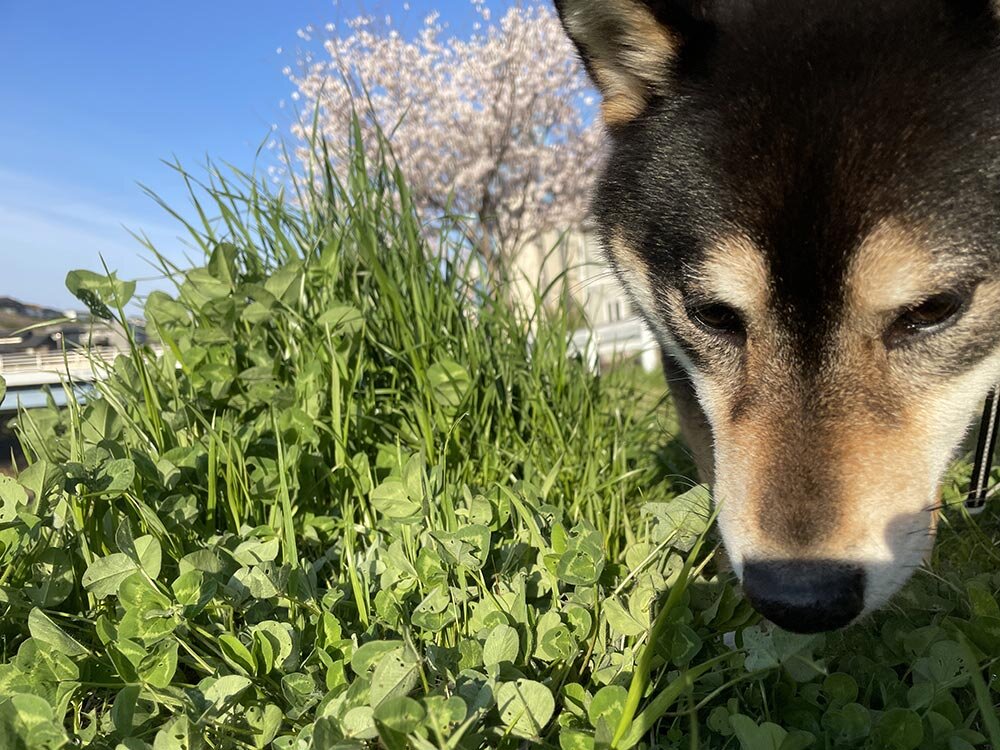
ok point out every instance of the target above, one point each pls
(803, 201)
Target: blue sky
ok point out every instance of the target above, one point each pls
(95, 94)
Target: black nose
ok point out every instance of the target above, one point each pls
(805, 596)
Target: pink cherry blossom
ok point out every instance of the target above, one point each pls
(498, 126)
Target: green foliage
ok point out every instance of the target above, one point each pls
(358, 502)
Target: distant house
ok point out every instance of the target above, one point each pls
(12, 308)
(24, 330)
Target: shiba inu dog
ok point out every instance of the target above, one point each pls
(802, 199)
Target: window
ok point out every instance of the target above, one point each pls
(614, 312)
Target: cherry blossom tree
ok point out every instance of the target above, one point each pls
(497, 126)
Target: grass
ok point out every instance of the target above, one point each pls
(360, 502)
(10, 452)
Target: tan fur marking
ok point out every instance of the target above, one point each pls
(621, 110)
(632, 271)
(735, 272)
(884, 490)
(623, 99)
(891, 269)
(758, 456)
(647, 43)
(628, 52)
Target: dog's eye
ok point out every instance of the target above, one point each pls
(719, 319)
(931, 314)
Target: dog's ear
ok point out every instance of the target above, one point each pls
(629, 47)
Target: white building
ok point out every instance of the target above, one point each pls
(569, 269)
(572, 263)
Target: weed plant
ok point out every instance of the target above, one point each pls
(364, 500)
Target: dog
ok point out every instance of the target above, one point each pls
(802, 200)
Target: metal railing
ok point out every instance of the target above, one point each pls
(72, 360)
